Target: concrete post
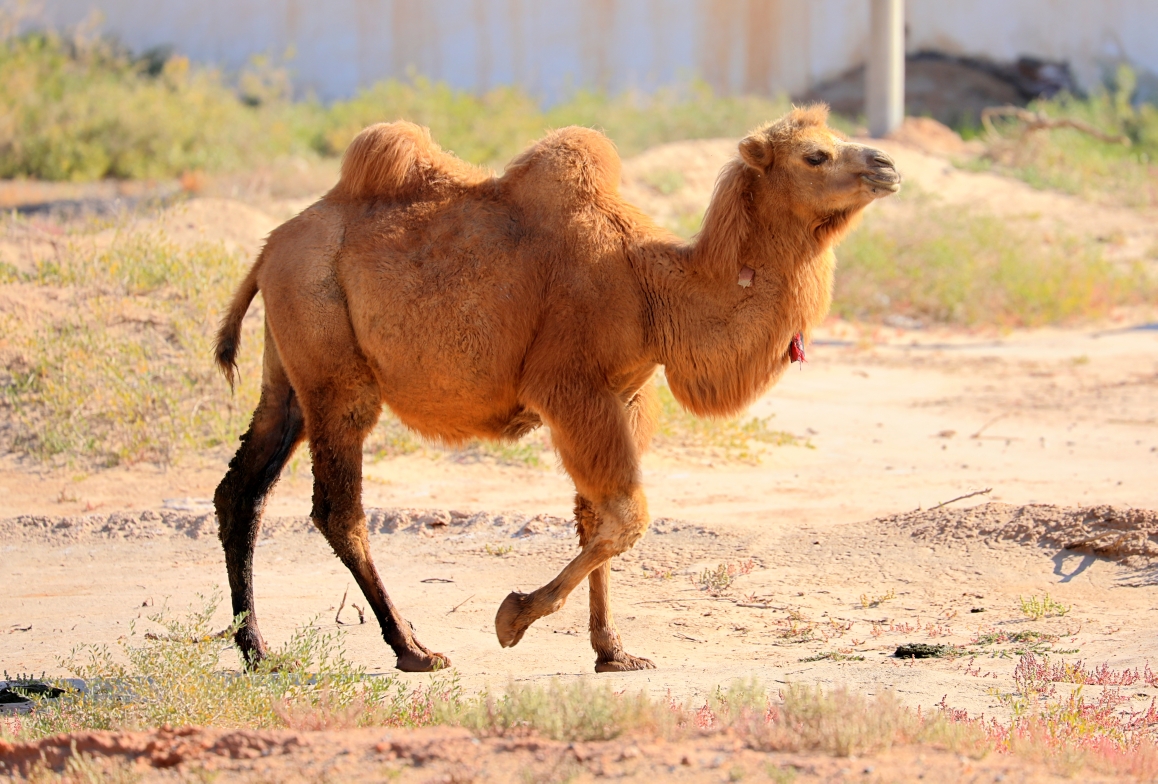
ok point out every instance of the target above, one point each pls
(885, 71)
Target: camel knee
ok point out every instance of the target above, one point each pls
(622, 521)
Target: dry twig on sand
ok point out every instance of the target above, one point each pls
(460, 604)
(986, 491)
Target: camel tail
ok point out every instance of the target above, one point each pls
(229, 335)
(385, 161)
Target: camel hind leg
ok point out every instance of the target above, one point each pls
(338, 423)
(274, 433)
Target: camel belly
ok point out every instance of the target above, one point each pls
(447, 350)
(447, 410)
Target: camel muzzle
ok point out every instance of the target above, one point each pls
(882, 173)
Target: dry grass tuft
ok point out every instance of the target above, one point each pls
(948, 266)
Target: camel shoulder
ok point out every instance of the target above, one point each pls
(398, 161)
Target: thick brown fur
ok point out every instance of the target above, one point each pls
(481, 307)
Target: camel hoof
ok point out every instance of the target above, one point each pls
(510, 625)
(624, 662)
(421, 661)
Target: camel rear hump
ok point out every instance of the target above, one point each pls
(395, 161)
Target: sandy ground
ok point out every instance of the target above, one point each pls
(1059, 418)
(895, 421)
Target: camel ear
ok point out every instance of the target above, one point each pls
(756, 150)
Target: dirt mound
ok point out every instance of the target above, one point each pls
(673, 182)
(1129, 536)
(240, 226)
(934, 138)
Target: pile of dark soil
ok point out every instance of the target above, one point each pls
(951, 89)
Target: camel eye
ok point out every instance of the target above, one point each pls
(816, 158)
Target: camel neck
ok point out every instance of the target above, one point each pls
(723, 344)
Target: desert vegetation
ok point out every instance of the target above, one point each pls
(173, 674)
(1117, 163)
(940, 264)
(79, 107)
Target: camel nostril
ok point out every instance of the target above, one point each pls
(883, 160)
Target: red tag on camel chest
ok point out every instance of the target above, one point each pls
(796, 349)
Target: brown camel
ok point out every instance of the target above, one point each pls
(478, 306)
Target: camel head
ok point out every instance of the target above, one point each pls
(824, 179)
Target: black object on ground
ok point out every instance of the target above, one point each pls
(924, 650)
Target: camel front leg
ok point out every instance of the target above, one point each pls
(609, 653)
(622, 521)
(596, 435)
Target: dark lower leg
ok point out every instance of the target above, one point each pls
(338, 514)
(274, 432)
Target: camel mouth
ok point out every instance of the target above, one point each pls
(890, 184)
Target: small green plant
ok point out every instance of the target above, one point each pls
(1036, 609)
(836, 656)
(796, 628)
(876, 601)
(717, 581)
(686, 224)
(497, 549)
(780, 775)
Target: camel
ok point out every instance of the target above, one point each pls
(483, 306)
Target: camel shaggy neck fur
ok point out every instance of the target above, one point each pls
(477, 306)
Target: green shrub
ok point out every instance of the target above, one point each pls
(72, 110)
(78, 109)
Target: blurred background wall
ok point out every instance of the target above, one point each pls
(551, 47)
